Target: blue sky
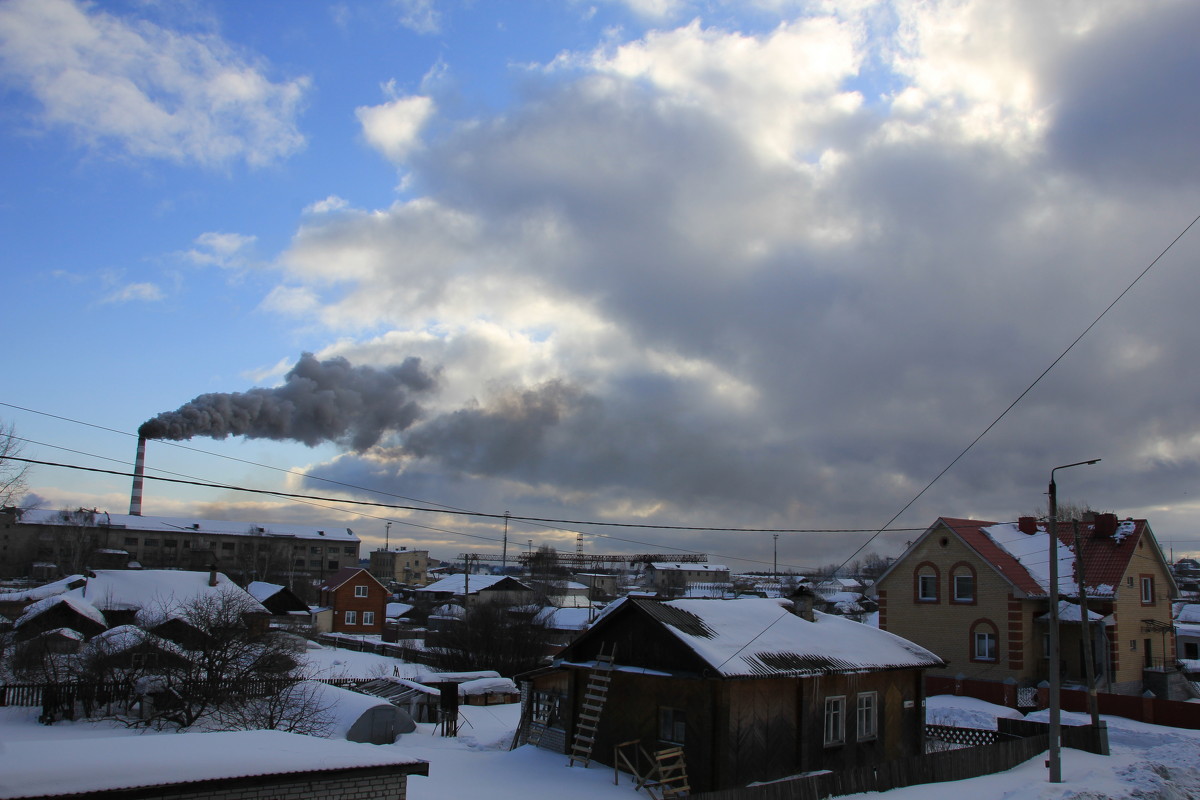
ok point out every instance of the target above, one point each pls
(760, 264)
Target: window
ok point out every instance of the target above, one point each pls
(316, 551)
(333, 565)
(1147, 590)
(349, 550)
(151, 543)
(368, 618)
(835, 720)
(547, 709)
(170, 543)
(672, 724)
(868, 715)
(314, 563)
(927, 588)
(299, 562)
(333, 550)
(964, 588)
(131, 541)
(227, 545)
(985, 646)
(351, 617)
(1191, 651)
(360, 591)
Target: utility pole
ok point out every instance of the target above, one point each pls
(387, 535)
(1089, 666)
(504, 552)
(1055, 761)
(776, 561)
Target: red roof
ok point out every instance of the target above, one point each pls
(1107, 547)
(337, 579)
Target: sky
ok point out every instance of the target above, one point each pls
(767, 265)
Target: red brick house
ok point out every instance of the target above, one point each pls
(358, 601)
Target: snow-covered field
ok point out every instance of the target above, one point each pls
(1147, 761)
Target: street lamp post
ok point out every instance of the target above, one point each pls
(1055, 675)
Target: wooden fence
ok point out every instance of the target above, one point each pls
(951, 765)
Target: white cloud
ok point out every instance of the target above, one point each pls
(139, 89)
(329, 204)
(419, 16)
(143, 292)
(224, 250)
(394, 128)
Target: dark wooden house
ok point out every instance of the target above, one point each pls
(749, 689)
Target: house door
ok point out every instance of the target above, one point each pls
(1147, 653)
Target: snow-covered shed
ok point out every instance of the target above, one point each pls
(749, 689)
(354, 716)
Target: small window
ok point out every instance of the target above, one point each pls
(868, 716)
(360, 591)
(299, 562)
(351, 617)
(835, 720)
(333, 550)
(316, 551)
(1147, 590)
(1131, 580)
(349, 550)
(368, 618)
(964, 588)
(170, 543)
(314, 563)
(227, 546)
(333, 565)
(985, 646)
(672, 725)
(927, 588)
(131, 541)
(150, 543)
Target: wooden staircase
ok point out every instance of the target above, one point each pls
(664, 774)
(593, 704)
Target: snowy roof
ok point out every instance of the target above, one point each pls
(565, 619)
(760, 637)
(158, 589)
(43, 591)
(480, 686)
(37, 516)
(347, 574)
(1073, 612)
(667, 566)
(460, 584)
(1188, 612)
(31, 769)
(394, 610)
(340, 707)
(261, 590)
(72, 600)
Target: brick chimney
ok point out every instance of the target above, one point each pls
(1027, 525)
(212, 575)
(1106, 525)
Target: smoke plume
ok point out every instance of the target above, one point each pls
(319, 401)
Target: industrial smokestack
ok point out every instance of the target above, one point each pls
(139, 471)
(319, 401)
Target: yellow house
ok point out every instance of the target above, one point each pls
(976, 593)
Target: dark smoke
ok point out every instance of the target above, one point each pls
(319, 401)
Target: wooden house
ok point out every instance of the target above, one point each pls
(358, 601)
(750, 690)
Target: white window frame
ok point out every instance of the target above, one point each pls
(921, 595)
(351, 617)
(959, 597)
(867, 716)
(835, 720)
(360, 591)
(368, 618)
(986, 637)
(1148, 590)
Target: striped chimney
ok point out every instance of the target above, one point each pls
(139, 470)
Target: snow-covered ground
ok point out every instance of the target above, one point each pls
(1147, 761)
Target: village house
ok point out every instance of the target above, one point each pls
(470, 590)
(672, 580)
(748, 689)
(976, 593)
(357, 601)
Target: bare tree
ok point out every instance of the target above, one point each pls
(491, 637)
(294, 704)
(14, 475)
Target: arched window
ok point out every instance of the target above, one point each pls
(962, 583)
(985, 641)
(926, 580)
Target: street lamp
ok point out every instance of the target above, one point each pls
(1055, 676)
